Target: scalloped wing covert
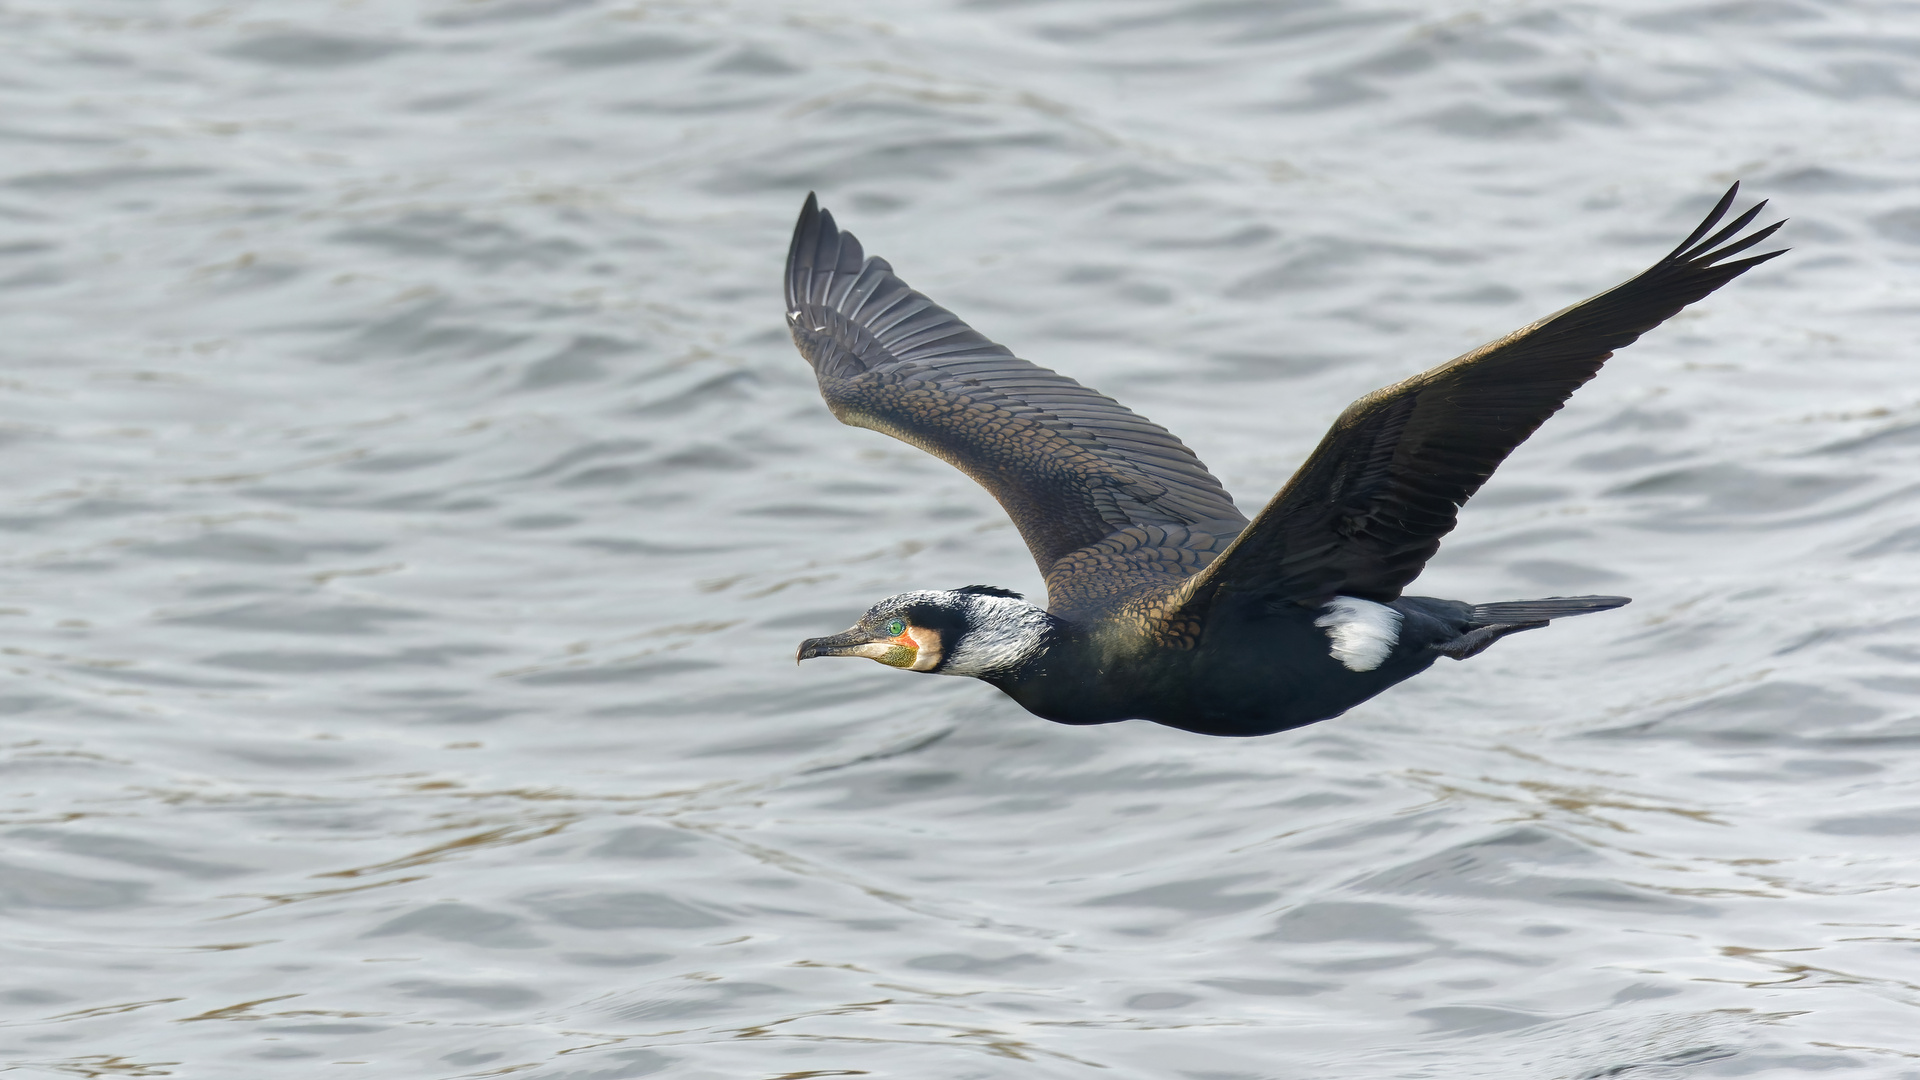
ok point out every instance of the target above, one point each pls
(1108, 502)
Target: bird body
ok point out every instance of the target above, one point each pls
(1164, 602)
(1256, 671)
(1260, 668)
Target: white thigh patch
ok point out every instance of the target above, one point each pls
(1363, 632)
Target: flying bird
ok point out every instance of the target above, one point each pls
(1164, 602)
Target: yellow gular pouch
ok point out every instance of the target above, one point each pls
(914, 649)
(887, 652)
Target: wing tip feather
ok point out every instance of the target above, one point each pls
(1700, 254)
(1713, 218)
(803, 249)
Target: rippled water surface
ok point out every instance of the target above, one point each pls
(414, 503)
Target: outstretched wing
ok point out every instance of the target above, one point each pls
(1078, 472)
(1367, 510)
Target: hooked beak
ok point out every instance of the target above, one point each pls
(846, 644)
(894, 652)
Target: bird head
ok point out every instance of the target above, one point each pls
(978, 630)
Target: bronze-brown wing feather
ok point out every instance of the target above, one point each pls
(1090, 484)
(1367, 510)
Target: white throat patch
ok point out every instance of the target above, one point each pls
(1363, 632)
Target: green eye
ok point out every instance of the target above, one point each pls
(896, 628)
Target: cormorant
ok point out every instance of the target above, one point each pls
(1163, 602)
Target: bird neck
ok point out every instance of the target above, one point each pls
(1083, 676)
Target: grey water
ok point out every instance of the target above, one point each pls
(413, 502)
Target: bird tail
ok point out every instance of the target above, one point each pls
(1488, 623)
(1512, 612)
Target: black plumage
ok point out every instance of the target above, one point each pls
(1164, 602)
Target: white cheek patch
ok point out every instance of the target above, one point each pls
(1363, 633)
(927, 657)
